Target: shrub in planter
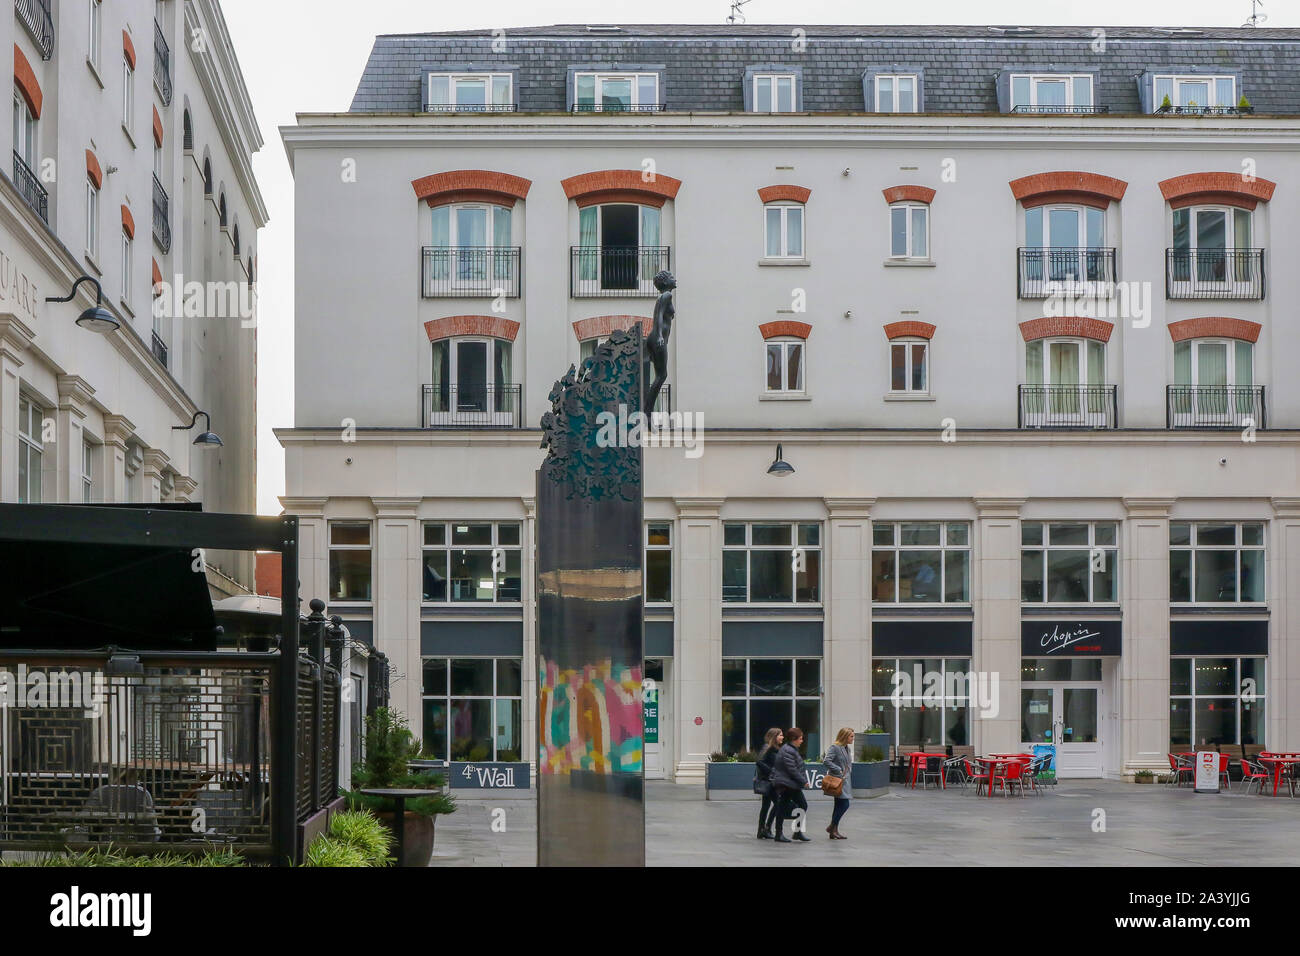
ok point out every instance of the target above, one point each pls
(354, 839)
(1144, 776)
(747, 756)
(719, 757)
(111, 857)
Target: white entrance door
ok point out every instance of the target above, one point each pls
(656, 728)
(1067, 715)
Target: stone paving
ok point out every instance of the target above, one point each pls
(1154, 825)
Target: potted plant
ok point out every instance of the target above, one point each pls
(877, 737)
(390, 746)
(1243, 105)
(1166, 105)
(1144, 776)
(871, 770)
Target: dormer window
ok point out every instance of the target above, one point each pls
(774, 92)
(469, 93)
(616, 92)
(1196, 93)
(896, 93)
(1051, 93)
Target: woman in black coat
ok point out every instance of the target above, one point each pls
(772, 741)
(788, 778)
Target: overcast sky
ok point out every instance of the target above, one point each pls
(307, 55)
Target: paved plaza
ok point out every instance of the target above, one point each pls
(1154, 825)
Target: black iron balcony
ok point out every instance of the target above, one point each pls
(35, 16)
(470, 271)
(1214, 273)
(1205, 110)
(1065, 270)
(159, 349)
(1067, 406)
(1215, 406)
(1025, 108)
(162, 228)
(470, 107)
(616, 271)
(615, 107)
(30, 188)
(162, 64)
(470, 406)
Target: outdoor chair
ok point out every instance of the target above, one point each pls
(954, 770)
(1180, 766)
(933, 770)
(980, 777)
(1225, 778)
(1013, 776)
(1252, 774)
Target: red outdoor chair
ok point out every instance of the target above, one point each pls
(1179, 768)
(1224, 780)
(1253, 773)
(980, 777)
(1013, 776)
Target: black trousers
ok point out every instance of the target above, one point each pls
(767, 811)
(787, 800)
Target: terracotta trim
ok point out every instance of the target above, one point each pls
(157, 127)
(784, 194)
(600, 326)
(1229, 189)
(471, 185)
(487, 325)
(785, 327)
(1215, 326)
(25, 80)
(128, 48)
(620, 185)
(93, 170)
(1088, 189)
(128, 221)
(157, 278)
(1074, 326)
(909, 194)
(909, 329)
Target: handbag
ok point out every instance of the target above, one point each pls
(762, 784)
(832, 786)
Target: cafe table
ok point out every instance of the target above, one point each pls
(916, 759)
(399, 796)
(996, 760)
(1278, 762)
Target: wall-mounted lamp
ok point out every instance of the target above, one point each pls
(780, 467)
(207, 439)
(97, 318)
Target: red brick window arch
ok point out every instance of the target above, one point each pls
(909, 357)
(472, 378)
(909, 221)
(786, 357)
(784, 222)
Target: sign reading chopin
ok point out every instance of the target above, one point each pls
(1047, 638)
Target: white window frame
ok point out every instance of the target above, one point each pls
(89, 466)
(128, 94)
(1194, 546)
(1109, 558)
(1203, 406)
(784, 211)
(909, 226)
(897, 548)
(804, 535)
(1059, 406)
(1069, 79)
(492, 395)
(1240, 698)
(893, 94)
(446, 698)
(31, 448)
(908, 346)
(368, 547)
(896, 702)
(25, 131)
(95, 36)
(603, 77)
(772, 81)
(126, 265)
(1178, 80)
(794, 698)
(489, 81)
(92, 218)
(659, 548)
(785, 344)
(449, 549)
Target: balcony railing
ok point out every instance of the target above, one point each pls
(470, 271)
(1215, 406)
(616, 271)
(618, 108)
(1214, 273)
(1025, 108)
(1065, 270)
(30, 188)
(159, 349)
(162, 227)
(162, 64)
(35, 15)
(470, 406)
(470, 107)
(1067, 406)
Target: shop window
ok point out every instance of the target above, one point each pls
(771, 563)
(1216, 701)
(350, 570)
(472, 562)
(473, 708)
(922, 701)
(762, 692)
(1216, 562)
(31, 450)
(1071, 562)
(920, 562)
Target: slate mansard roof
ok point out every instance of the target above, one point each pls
(704, 65)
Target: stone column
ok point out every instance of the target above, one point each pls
(74, 395)
(1144, 667)
(15, 338)
(313, 546)
(1282, 680)
(697, 666)
(155, 464)
(528, 594)
(396, 592)
(117, 430)
(846, 589)
(996, 587)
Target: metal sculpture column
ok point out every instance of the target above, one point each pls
(590, 640)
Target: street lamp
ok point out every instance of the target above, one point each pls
(207, 439)
(96, 318)
(780, 468)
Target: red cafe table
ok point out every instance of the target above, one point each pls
(915, 760)
(1278, 762)
(993, 761)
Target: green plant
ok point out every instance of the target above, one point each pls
(875, 729)
(326, 851)
(479, 754)
(719, 757)
(390, 747)
(508, 756)
(747, 756)
(1166, 103)
(110, 857)
(1143, 775)
(364, 831)
(1243, 104)
(872, 755)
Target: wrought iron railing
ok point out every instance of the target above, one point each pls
(1067, 406)
(470, 271)
(1215, 406)
(1064, 270)
(29, 187)
(616, 271)
(1025, 108)
(470, 107)
(159, 349)
(1206, 110)
(162, 227)
(470, 406)
(35, 16)
(618, 108)
(162, 64)
(1214, 273)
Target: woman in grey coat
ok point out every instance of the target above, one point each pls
(788, 781)
(839, 763)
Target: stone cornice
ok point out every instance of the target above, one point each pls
(396, 507)
(1286, 507)
(16, 337)
(75, 393)
(1148, 507)
(998, 507)
(185, 487)
(699, 507)
(156, 461)
(849, 507)
(117, 429)
(304, 507)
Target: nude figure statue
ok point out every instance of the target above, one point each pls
(656, 342)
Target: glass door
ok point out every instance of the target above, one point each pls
(471, 376)
(1065, 715)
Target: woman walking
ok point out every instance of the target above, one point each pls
(788, 778)
(839, 763)
(772, 741)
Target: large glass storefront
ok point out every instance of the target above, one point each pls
(1216, 701)
(473, 708)
(922, 700)
(763, 692)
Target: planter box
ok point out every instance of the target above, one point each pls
(735, 781)
(883, 741)
(870, 779)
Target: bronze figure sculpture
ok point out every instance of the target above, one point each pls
(656, 342)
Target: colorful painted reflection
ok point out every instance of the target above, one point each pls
(591, 719)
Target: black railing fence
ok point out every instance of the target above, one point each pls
(1214, 273)
(1067, 406)
(470, 271)
(162, 64)
(35, 16)
(1041, 273)
(1215, 406)
(30, 189)
(616, 271)
(470, 406)
(162, 227)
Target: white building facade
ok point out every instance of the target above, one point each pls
(1013, 320)
(132, 139)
